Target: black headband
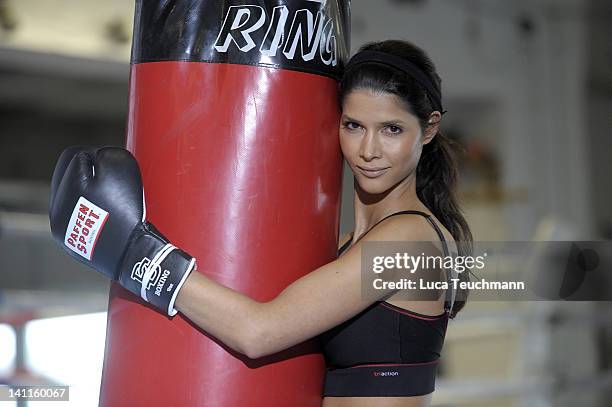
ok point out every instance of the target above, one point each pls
(403, 65)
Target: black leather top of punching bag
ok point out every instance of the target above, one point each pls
(308, 36)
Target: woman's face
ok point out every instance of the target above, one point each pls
(380, 139)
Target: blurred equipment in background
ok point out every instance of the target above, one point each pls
(7, 20)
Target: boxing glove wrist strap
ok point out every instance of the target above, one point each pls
(156, 270)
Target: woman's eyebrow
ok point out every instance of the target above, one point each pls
(385, 123)
(390, 122)
(345, 117)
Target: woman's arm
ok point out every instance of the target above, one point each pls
(309, 306)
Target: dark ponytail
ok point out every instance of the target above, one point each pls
(436, 180)
(437, 171)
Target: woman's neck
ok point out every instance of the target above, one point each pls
(370, 208)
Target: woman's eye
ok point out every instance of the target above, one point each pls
(394, 129)
(350, 125)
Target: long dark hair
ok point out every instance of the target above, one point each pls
(437, 170)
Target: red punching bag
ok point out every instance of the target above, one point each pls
(233, 118)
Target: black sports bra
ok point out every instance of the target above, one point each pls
(385, 350)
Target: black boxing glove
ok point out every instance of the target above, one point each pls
(98, 215)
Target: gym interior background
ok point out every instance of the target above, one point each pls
(528, 87)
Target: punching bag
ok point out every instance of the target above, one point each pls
(233, 118)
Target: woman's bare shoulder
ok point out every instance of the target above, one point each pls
(404, 227)
(411, 228)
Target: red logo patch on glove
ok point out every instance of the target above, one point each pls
(85, 225)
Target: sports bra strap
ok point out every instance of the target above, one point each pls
(450, 293)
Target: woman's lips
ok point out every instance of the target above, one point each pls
(373, 172)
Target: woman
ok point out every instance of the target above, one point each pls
(383, 350)
(391, 112)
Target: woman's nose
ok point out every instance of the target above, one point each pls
(370, 147)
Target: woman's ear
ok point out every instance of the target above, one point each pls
(433, 125)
